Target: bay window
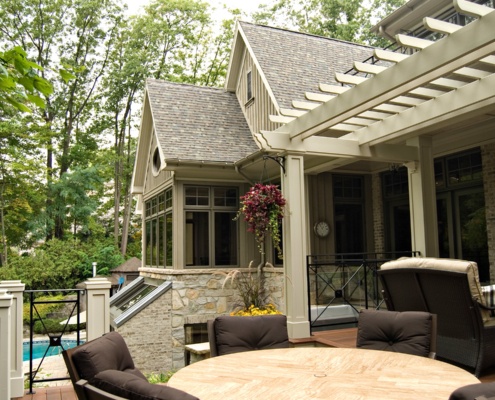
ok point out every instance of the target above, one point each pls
(159, 230)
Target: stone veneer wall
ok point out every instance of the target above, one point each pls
(148, 336)
(488, 160)
(156, 335)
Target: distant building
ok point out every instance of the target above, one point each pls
(125, 273)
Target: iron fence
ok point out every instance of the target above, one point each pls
(37, 298)
(339, 285)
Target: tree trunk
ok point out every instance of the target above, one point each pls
(3, 260)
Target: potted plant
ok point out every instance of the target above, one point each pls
(262, 207)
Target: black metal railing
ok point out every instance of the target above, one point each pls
(339, 285)
(55, 339)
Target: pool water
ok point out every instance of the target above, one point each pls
(40, 346)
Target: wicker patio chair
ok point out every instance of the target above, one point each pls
(451, 290)
(229, 334)
(410, 332)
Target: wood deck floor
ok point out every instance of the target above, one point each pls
(336, 338)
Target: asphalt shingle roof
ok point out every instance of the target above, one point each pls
(295, 63)
(196, 123)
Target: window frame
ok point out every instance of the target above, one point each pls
(212, 211)
(158, 247)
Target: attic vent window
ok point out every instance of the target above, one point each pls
(249, 86)
(157, 162)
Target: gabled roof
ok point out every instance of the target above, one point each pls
(292, 62)
(195, 123)
(131, 265)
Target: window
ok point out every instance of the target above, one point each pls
(157, 162)
(461, 209)
(159, 230)
(249, 86)
(349, 213)
(211, 231)
(395, 187)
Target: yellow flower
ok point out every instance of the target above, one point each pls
(269, 309)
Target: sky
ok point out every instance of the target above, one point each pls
(247, 6)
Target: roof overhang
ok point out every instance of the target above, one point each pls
(406, 17)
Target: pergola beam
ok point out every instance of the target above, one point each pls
(463, 47)
(471, 98)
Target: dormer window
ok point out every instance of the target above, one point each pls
(249, 86)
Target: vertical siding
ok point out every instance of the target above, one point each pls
(153, 182)
(258, 109)
(321, 209)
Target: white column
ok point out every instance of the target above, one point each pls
(294, 242)
(16, 289)
(5, 344)
(422, 199)
(97, 307)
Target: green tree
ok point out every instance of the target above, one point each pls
(19, 81)
(349, 20)
(170, 40)
(21, 177)
(78, 35)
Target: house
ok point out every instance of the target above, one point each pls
(393, 150)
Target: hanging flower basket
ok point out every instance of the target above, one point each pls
(263, 209)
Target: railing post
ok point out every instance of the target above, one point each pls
(16, 289)
(97, 307)
(5, 343)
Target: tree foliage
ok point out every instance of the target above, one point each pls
(19, 82)
(348, 20)
(80, 66)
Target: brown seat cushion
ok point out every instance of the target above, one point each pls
(403, 332)
(107, 352)
(236, 334)
(130, 386)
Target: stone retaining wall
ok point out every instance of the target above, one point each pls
(156, 336)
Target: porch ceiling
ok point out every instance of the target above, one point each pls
(444, 84)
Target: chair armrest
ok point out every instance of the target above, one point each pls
(485, 307)
(93, 393)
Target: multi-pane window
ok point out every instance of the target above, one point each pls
(211, 228)
(395, 183)
(159, 230)
(458, 169)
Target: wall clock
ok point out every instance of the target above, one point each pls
(322, 229)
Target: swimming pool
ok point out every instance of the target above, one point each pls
(40, 346)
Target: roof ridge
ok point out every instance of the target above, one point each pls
(191, 85)
(305, 34)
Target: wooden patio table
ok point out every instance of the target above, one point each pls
(320, 373)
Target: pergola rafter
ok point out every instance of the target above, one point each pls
(414, 90)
